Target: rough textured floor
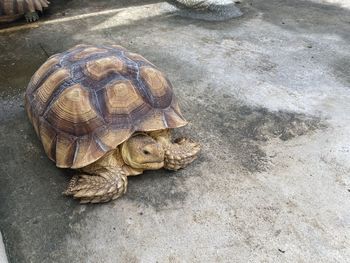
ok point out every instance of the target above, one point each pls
(268, 96)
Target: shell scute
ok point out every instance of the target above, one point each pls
(138, 57)
(158, 86)
(40, 73)
(43, 94)
(48, 138)
(65, 150)
(86, 148)
(84, 53)
(100, 68)
(121, 97)
(112, 136)
(73, 113)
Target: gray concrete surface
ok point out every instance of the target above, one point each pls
(3, 256)
(268, 96)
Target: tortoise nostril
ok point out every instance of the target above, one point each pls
(146, 152)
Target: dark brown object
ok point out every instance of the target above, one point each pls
(11, 10)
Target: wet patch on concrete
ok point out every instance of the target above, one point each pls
(17, 67)
(246, 129)
(158, 189)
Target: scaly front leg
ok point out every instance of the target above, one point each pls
(31, 16)
(103, 186)
(178, 154)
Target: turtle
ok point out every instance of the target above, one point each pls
(108, 113)
(11, 10)
(210, 10)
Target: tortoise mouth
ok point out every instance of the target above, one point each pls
(152, 165)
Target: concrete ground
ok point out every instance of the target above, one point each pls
(3, 256)
(268, 97)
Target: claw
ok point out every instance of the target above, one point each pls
(32, 16)
(97, 188)
(181, 153)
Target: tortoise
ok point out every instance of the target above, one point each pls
(210, 10)
(109, 113)
(11, 10)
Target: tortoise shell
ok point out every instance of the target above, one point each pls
(13, 9)
(86, 101)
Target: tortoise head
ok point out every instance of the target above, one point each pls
(143, 152)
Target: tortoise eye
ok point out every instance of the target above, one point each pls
(146, 152)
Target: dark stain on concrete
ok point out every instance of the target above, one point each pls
(158, 189)
(246, 129)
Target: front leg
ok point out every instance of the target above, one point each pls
(31, 16)
(103, 186)
(178, 154)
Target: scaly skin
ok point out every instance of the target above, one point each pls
(179, 154)
(211, 10)
(106, 179)
(31, 16)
